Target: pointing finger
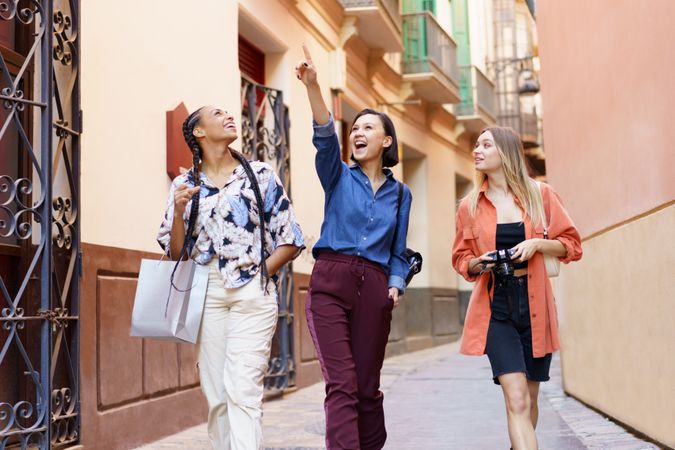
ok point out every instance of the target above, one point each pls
(305, 50)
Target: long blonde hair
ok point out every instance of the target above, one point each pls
(524, 188)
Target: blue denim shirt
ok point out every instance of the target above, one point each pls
(356, 221)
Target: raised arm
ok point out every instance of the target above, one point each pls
(329, 165)
(306, 72)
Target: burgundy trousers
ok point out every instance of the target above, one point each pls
(349, 317)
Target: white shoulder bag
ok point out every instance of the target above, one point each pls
(552, 263)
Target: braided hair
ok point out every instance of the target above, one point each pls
(261, 214)
(188, 127)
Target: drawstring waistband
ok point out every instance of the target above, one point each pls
(357, 265)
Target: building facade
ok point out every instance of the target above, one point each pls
(609, 105)
(92, 98)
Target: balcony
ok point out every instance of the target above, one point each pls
(529, 130)
(430, 59)
(478, 107)
(378, 22)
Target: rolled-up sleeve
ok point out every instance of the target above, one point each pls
(284, 227)
(397, 262)
(562, 228)
(164, 234)
(462, 252)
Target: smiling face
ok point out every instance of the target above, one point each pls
(368, 139)
(486, 155)
(215, 125)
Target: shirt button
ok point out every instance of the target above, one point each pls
(366, 182)
(364, 238)
(358, 253)
(534, 315)
(371, 219)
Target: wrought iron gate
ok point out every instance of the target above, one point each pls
(39, 223)
(265, 136)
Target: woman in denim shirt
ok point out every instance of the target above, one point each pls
(360, 267)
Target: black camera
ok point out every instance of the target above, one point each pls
(503, 264)
(414, 264)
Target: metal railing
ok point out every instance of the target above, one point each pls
(529, 127)
(427, 43)
(265, 137)
(477, 91)
(390, 6)
(39, 212)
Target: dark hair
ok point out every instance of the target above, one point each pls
(390, 154)
(188, 127)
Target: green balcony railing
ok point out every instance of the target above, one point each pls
(426, 45)
(476, 90)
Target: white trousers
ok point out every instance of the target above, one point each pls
(233, 351)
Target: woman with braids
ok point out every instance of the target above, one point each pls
(218, 196)
(512, 313)
(360, 268)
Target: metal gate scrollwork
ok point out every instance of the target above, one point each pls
(40, 125)
(265, 137)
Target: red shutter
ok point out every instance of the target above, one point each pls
(251, 61)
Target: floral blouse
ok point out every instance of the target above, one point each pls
(228, 220)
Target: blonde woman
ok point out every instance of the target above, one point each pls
(512, 313)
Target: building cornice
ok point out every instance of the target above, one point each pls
(323, 19)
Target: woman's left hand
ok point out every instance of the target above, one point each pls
(393, 296)
(525, 250)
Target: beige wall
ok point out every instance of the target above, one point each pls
(609, 103)
(616, 314)
(130, 79)
(133, 71)
(608, 108)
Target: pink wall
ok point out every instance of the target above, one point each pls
(608, 84)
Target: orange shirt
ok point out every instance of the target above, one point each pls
(477, 235)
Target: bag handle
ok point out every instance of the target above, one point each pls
(194, 211)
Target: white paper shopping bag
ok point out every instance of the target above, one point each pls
(163, 312)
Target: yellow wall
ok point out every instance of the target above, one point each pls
(617, 324)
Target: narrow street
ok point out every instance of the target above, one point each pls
(436, 399)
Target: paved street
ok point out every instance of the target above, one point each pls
(435, 399)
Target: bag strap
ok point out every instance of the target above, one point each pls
(543, 210)
(261, 213)
(400, 198)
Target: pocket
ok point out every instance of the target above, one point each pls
(471, 236)
(256, 362)
(471, 233)
(244, 375)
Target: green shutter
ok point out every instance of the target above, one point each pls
(460, 27)
(415, 35)
(412, 6)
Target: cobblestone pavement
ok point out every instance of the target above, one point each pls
(435, 399)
